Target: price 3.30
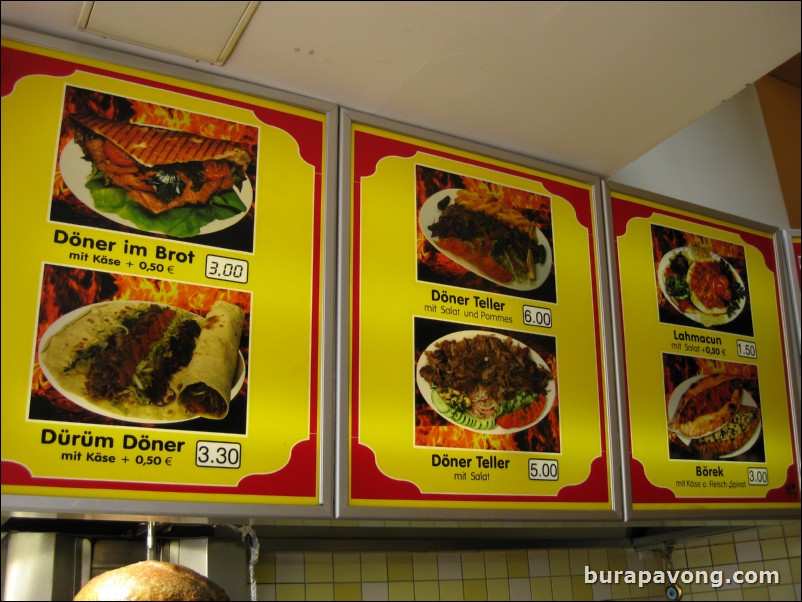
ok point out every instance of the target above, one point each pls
(218, 454)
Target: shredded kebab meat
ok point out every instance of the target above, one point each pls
(486, 368)
(500, 240)
(114, 367)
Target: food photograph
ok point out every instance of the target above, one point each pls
(480, 235)
(484, 389)
(123, 350)
(138, 167)
(701, 282)
(713, 410)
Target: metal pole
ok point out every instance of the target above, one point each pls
(153, 553)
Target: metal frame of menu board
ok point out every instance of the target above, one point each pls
(704, 366)
(788, 243)
(252, 286)
(788, 249)
(515, 303)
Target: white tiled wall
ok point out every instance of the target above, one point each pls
(536, 574)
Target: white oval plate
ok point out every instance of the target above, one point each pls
(88, 404)
(426, 389)
(75, 170)
(673, 405)
(429, 214)
(694, 314)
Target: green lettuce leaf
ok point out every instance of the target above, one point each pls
(181, 222)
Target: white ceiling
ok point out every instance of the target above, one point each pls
(586, 85)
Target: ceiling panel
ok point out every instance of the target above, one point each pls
(216, 28)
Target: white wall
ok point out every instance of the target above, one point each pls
(722, 161)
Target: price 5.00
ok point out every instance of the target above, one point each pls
(544, 470)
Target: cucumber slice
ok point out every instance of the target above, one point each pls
(485, 424)
(438, 403)
(477, 424)
(461, 418)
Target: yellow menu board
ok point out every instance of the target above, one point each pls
(705, 396)
(162, 269)
(476, 374)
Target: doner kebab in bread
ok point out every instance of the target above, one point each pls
(160, 168)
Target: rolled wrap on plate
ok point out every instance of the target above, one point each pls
(204, 386)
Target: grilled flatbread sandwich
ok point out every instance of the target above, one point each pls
(148, 361)
(159, 168)
(707, 405)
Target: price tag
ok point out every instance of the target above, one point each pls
(747, 349)
(544, 470)
(226, 268)
(537, 316)
(758, 476)
(218, 454)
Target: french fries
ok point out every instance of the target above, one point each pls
(491, 205)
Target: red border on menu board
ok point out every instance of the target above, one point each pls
(644, 492)
(299, 477)
(367, 481)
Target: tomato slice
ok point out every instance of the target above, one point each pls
(117, 155)
(721, 286)
(520, 417)
(216, 170)
(478, 257)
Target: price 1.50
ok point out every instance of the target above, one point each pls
(544, 470)
(747, 349)
(218, 454)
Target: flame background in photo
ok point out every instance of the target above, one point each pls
(67, 208)
(435, 267)
(432, 430)
(679, 368)
(665, 240)
(66, 289)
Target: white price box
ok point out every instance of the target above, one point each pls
(218, 454)
(537, 316)
(758, 476)
(226, 268)
(747, 349)
(544, 470)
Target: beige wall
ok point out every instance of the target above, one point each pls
(535, 574)
(780, 104)
(722, 160)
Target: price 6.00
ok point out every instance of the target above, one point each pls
(537, 316)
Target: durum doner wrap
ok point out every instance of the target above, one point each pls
(204, 387)
(147, 361)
